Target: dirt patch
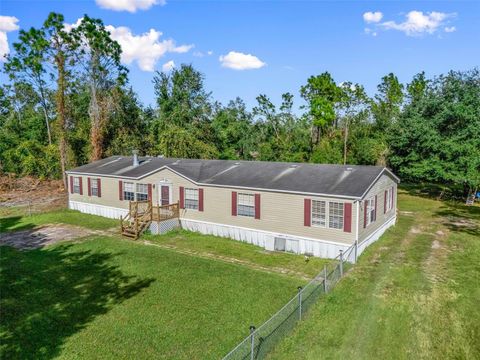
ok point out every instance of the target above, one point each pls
(43, 236)
(26, 195)
(414, 230)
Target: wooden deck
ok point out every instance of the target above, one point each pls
(142, 213)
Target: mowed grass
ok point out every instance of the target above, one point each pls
(63, 216)
(110, 298)
(415, 294)
(247, 254)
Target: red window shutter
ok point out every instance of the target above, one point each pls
(89, 187)
(375, 212)
(120, 190)
(234, 203)
(347, 217)
(81, 185)
(365, 213)
(99, 188)
(385, 202)
(200, 199)
(71, 184)
(257, 206)
(150, 192)
(182, 197)
(307, 212)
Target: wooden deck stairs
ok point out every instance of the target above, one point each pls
(142, 213)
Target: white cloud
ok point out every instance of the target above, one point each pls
(419, 23)
(168, 66)
(240, 61)
(7, 24)
(369, 31)
(201, 54)
(372, 17)
(129, 5)
(145, 49)
(450, 29)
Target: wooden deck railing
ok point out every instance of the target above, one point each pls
(165, 212)
(142, 213)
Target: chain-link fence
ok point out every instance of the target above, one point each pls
(264, 338)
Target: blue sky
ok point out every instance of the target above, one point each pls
(288, 40)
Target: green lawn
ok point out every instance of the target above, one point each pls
(413, 294)
(63, 216)
(247, 254)
(112, 298)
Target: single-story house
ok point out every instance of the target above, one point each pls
(296, 207)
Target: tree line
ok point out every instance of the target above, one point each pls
(69, 102)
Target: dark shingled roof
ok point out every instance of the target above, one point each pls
(336, 180)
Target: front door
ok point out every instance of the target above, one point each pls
(164, 195)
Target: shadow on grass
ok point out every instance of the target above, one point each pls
(461, 218)
(49, 294)
(12, 222)
(434, 191)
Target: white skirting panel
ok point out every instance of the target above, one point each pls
(267, 240)
(162, 227)
(100, 210)
(375, 236)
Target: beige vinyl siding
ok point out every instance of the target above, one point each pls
(382, 184)
(109, 192)
(281, 213)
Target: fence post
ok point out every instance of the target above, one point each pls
(356, 250)
(341, 263)
(252, 342)
(325, 278)
(299, 303)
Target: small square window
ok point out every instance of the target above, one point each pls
(191, 199)
(142, 192)
(128, 191)
(319, 214)
(335, 215)
(246, 205)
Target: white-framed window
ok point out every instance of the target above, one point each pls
(142, 192)
(327, 214)
(191, 199)
(389, 201)
(76, 185)
(94, 187)
(319, 213)
(246, 205)
(335, 215)
(370, 210)
(128, 191)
